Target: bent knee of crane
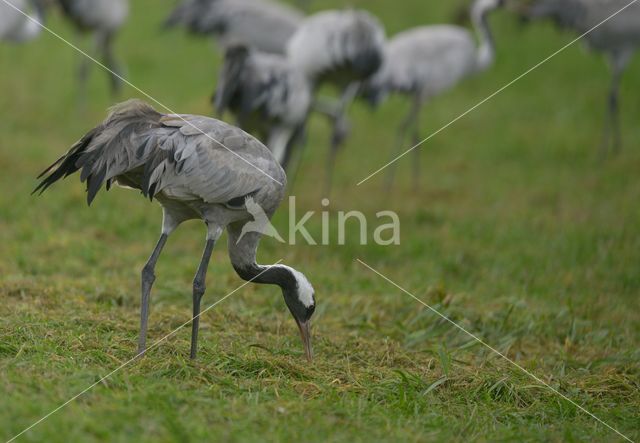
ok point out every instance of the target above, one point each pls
(613, 100)
(199, 287)
(148, 275)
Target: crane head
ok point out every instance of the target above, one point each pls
(300, 299)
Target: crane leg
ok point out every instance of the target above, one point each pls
(294, 160)
(416, 155)
(199, 287)
(105, 48)
(84, 68)
(340, 131)
(331, 164)
(612, 134)
(148, 277)
(408, 124)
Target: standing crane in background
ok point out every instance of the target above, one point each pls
(341, 48)
(196, 168)
(265, 25)
(618, 38)
(269, 98)
(15, 26)
(102, 19)
(426, 61)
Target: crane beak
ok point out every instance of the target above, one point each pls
(305, 334)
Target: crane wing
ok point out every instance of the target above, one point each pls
(185, 156)
(213, 161)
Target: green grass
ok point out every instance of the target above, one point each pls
(518, 234)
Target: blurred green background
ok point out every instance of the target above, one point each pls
(518, 233)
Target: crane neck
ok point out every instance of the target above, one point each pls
(278, 275)
(486, 49)
(242, 252)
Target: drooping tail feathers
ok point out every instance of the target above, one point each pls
(107, 150)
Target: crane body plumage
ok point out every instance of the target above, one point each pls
(265, 25)
(424, 62)
(338, 47)
(90, 15)
(15, 26)
(269, 97)
(614, 33)
(409, 61)
(196, 168)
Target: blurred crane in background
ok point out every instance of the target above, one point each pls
(15, 26)
(618, 38)
(265, 25)
(426, 61)
(341, 48)
(102, 19)
(269, 98)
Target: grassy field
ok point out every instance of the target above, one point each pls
(518, 234)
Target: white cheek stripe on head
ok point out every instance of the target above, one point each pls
(305, 290)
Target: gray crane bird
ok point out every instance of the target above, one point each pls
(342, 48)
(618, 38)
(262, 24)
(196, 168)
(15, 26)
(426, 61)
(102, 19)
(269, 98)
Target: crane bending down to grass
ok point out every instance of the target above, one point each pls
(426, 61)
(618, 38)
(196, 168)
(15, 26)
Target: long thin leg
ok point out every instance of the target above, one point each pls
(612, 134)
(416, 155)
(294, 162)
(105, 47)
(84, 68)
(198, 291)
(407, 124)
(148, 277)
(340, 131)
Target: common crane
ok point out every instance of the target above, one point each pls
(15, 26)
(341, 48)
(265, 25)
(102, 19)
(426, 61)
(196, 168)
(618, 38)
(268, 96)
